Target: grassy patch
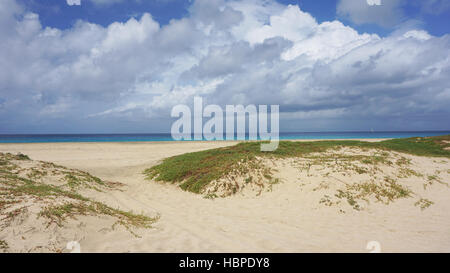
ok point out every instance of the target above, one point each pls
(36, 174)
(349, 197)
(76, 179)
(210, 196)
(326, 200)
(386, 192)
(40, 190)
(432, 179)
(3, 245)
(21, 156)
(16, 190)
(423, 203)
(59, 213)
(421, 146)
(403, 161)
(194, 171)
(9, 156)
(406, 172)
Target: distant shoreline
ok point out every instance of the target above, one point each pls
(162, 138)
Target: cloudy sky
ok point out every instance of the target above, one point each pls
(116, 66)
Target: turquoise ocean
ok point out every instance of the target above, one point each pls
(48, 138)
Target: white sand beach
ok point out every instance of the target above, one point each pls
(288, 218)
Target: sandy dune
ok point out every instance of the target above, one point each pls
(287, 219)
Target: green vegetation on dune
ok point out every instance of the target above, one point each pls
(59, 213)
(16, 191)
(3, 245)
(422, 146)
(196, 170)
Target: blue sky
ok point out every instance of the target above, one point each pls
(116, 66)
(56, 13)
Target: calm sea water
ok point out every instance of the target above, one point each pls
(167, 137)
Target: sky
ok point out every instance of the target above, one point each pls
(119, 66)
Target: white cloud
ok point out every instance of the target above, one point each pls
(73, 2)
(388, 14)
(251, 52)
(373, 2)
(97, 2)
(417, 34)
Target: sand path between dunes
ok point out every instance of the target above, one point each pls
(284, 220)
